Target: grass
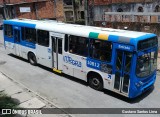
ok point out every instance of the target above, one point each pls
(7, 102)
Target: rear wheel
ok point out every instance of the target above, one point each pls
(32, 59)
(95, 82)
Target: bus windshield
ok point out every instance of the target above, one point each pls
(146, 64)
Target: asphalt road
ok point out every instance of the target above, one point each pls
(67, 92)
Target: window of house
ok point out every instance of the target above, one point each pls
(157, 8)
(67, 2)
(78, 45)
(43, 38)
(29, 34)
(8, 30)
(82, 14)
(140, 9)
(119, 10)
(101, 50)
(69, 15)
(81, 2)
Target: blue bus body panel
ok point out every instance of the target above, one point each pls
(134, 41)
(92, 63)
(17, 26)
(113, 38)
(21, 24)
(124, 47)
(146, 84)
(28, 44)
(9, 39)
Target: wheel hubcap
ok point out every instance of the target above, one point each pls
(95, 82)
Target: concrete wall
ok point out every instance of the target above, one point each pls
(107, 2)
(99, 10)
(144, 23)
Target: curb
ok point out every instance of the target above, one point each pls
(38, 95)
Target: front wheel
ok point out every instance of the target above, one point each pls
(32, 59)
(96, 82)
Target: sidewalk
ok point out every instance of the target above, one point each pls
(24, 98)
(19, 95)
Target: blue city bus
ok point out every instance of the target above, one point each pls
(122, 61)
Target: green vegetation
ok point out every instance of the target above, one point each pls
(7, 102)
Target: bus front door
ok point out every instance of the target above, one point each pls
(57, 53)
(122, 71)
(17, 41)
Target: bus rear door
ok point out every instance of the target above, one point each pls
(57, 50)
(122, 71)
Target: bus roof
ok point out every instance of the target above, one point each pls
(114, 35)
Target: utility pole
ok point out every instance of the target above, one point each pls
(86, 12)
(4, 9)
(74, 10)
(91, 13)
(55, 8)
(36, 11)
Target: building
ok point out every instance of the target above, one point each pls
(33, 9)
(71, 11)
(74, 11)
(140, 15)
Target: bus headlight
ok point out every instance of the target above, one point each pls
(139, 84)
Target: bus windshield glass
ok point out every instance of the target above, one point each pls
(146, 64)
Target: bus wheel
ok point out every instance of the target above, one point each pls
(32, 59)
(95, 82)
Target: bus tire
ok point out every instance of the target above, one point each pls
(95, 82)
(32, 59)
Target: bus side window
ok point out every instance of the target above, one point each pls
(29, 34)
(101, 50)
(8, 30)
(66, 43)
(78, 45)
(83, 46)
(72, 44)
(43, 38)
